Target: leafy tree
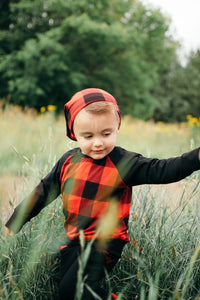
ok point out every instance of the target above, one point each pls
(59, 47)
(192, 84)
(181, 95)
(4, 14)
(172, 106)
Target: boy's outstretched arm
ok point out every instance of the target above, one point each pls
(46, 191)
(163, 171)
(31, 206)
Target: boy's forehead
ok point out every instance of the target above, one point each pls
(86, 121)
(85, 114)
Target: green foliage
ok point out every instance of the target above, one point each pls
(55, 48)
(51, 49)
(183, 92)
(192, 86)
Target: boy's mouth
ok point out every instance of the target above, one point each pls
(97, 151)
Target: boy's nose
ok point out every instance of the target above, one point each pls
(98, 142)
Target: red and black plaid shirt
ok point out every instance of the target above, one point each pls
(87, 186)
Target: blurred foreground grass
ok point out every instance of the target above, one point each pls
(163, 259)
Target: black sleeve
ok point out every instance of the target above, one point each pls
(45, 192)
(155, 171)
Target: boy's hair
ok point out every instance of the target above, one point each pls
(84, 98)
(101, 107)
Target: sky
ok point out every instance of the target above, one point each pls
(185, 25)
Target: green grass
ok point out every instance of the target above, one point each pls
(163, 259)
(161, 262)
(29, 260)
(164, 251)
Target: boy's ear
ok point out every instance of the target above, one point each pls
(119, 126)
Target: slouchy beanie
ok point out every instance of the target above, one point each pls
(82, 99)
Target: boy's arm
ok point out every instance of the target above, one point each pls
(45, 192)
(156, 171)
(31, 206)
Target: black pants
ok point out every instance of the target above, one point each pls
(93, 273)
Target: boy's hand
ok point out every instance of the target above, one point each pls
(9, 232)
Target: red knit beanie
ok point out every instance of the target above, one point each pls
(82, 99)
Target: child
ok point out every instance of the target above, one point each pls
(89, 178)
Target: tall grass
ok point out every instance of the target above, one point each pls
(29, 260)
(162, 260)
(163, 256)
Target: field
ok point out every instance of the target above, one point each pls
(161, 262)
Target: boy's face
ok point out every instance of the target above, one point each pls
(96, 133)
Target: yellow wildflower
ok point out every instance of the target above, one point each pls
(193, 121)
(42, 109)
(51, 107)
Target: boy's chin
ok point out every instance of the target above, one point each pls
(98, 154)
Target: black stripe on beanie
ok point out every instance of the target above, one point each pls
(93, 97)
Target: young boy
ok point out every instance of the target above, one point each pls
(89, 178)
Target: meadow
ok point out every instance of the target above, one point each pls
(162, 260)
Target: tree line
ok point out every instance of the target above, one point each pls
(50, 49)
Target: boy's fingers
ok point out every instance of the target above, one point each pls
(9, 232)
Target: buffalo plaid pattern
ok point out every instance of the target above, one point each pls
(87, 186)
(82, 99)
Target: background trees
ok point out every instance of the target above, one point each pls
(51, 49)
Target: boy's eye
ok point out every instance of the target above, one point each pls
(88, 136)
(107, 133)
